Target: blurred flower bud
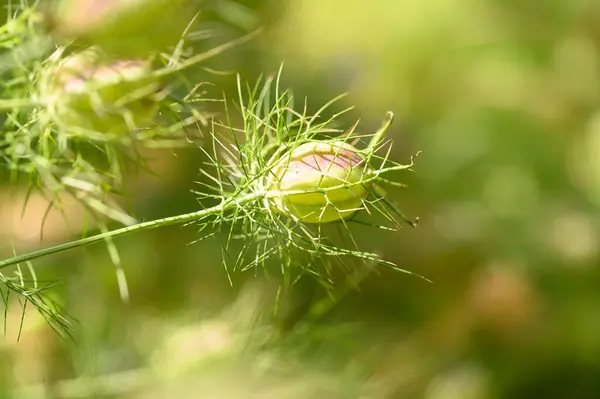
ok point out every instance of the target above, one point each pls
(84, 93)
(326, 181)
(125, 28)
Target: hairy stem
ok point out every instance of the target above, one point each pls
(226, 205)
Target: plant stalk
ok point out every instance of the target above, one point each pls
(209, 54)
(224, 206)
(378, 136)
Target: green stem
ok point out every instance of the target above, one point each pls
(208, 54)
(377, 137)
(226, 205)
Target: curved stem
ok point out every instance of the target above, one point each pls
(377, 137)
(226, 205)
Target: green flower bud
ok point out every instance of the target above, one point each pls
(84, 93)
(126, 28)
(319, 182)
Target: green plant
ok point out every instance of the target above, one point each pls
(85, 101)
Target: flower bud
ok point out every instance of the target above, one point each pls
(319, 182)
(126, 28)
(85, 93)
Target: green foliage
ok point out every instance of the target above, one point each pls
(87, 109)
(502, 97)
(76, 119)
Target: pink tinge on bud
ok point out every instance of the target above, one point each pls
(73, 77)
(320, 182)
(88, 92)
(321, 163)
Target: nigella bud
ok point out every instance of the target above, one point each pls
(124, 28)
(319, 182)
(86, 92)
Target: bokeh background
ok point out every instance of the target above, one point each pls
(502, 98)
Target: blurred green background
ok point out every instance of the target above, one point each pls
(502, 97)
